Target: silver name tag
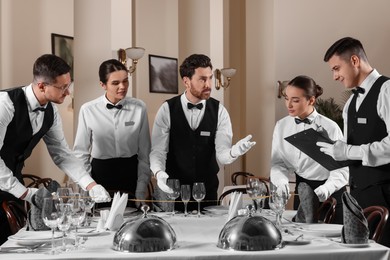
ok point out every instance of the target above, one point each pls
(362, 120)
(204, 133)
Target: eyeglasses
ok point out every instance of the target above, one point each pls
(63, 89)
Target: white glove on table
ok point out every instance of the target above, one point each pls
(338, 150)
(99, 194)
(242, 146)
(162, 181)
(30, 193)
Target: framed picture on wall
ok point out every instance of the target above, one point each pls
(62, 46)
(163, 74)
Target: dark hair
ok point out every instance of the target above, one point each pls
(49, 67)
(108, 67)
(345, 48)
(187, 68)
(308, 85)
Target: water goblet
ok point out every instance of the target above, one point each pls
(277, 202)
(198, 192)
(253, 189)
(78, 215)
(89, 206)
(51, 216)
(185, 196)
(65, 222)
(64, 193)
(174, 184)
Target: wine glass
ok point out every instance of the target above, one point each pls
(78, 214)
(65, 222)
(174, 184)
(185, 196)
(277, 202)
(89, 206)
(64, 194)
(198, 192)
(253, 189)
(51, 216)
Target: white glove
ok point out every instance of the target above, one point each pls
(282, 186)
(99, 194)
(162, 182)
(242, 146)
(338, 150)
(30, 193)
(322, 193)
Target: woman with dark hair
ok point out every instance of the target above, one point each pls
(300, 96)
(113, 136)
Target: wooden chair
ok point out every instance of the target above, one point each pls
(235, 175)
(16, 215)
(327, 211)
(226, 193)
(377, 218)
(34, 181)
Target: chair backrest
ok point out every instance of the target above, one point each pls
(34, 181)
(235, 175)
(327, 211)
(16, 215)
(377, 218)
(226, 193)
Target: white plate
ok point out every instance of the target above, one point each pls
(128, 210)
(91, 232)
(322, 230)
(354, 245)
(217, 209)
(29, 238)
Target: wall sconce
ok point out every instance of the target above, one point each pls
(226, 72)
(133, 53)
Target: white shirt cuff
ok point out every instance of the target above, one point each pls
(18, 190)
(85, 181)
(355, 153)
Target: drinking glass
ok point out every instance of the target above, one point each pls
(89, 206)
(51, 216)
(64, 194)
(253, 189)
(65, 222)
(78, 214)
(198, 192)
(277, 202)
(174, 184)
(185, 196)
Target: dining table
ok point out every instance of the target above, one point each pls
(197, 238)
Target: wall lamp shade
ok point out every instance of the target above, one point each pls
(133, 53)
(228, 73)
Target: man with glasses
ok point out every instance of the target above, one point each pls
(26, 116)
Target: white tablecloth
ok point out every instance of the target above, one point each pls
(197, 239)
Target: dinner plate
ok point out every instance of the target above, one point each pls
(321, 230)
(217, 209)
(127, 211)
(29, 238)
(91, 232)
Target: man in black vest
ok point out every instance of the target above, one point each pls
(27, 115)
(191, 132)
(366, 125)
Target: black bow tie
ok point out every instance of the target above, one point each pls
(111, 106)
(39, 109)
(358, 90)
(198, 106)
(306, 121)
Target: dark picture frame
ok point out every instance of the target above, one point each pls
(62, 46)
(163, 74)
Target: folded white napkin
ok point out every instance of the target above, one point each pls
(115, 217)
(235, 204)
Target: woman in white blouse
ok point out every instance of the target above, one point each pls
(113, 136)
(300, 97)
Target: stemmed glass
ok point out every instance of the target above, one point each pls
(256, 189)
(174, 184)
(198, 192)
(65, 222)
(185, 196)
(89, 206)
(64, 194)
(277, 202)
(51, 216)
(78, 214)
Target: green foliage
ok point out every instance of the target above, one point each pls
(330, 109)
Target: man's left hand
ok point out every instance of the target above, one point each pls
(338, 150)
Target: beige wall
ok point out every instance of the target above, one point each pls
(266, 41)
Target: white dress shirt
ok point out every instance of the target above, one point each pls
(104, 133)
(161, 131)
(55, 141)
(376, 153)
(286, 158)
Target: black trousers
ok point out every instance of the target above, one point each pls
(339, 219)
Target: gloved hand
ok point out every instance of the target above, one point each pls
(338, 150)
(99, 194)
(322, 193)
(242, 146)
(282, 186)
(162, 182)
(30, 193)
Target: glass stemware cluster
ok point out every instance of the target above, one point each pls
(277, 202)
(257, 190)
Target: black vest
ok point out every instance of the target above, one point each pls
(373, 130)
(19, 141)
(191, 157)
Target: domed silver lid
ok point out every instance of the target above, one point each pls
(145, 234)
(249, 233)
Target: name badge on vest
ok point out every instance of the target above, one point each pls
(362, 120)
(129, 123)
(204, 133)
